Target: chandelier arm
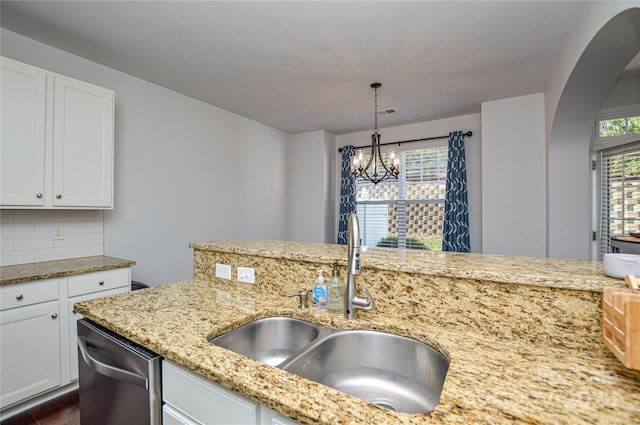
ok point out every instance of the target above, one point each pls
(387, 170)
(371, 155)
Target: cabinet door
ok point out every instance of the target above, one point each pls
(30, 356)
(22, 146)
(82, 144)
(73, 326)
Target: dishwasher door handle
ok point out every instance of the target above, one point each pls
(111, 371)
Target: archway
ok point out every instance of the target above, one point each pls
(569, 188)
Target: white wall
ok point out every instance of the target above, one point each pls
(514, 176)
(473, 153)
(311, 187)
(330, 224)
(626, 92)
(184, 170)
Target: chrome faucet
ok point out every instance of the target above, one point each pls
(351, 301)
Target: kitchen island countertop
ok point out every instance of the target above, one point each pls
(548, 272)
(491, 379)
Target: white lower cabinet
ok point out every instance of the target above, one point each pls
(30, 358)
(191, 399)
(38, 333)
(205, 401)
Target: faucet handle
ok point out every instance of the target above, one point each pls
(363, 303)
(303, 298)
(369, 298)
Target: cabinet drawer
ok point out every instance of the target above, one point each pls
(21, 294)
(97, 281)
(203, 400)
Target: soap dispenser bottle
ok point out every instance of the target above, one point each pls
(335, 292)
(320, 292)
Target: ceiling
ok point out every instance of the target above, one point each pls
(305, 66)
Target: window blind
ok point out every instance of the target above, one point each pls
(407, 212)
(619, 200)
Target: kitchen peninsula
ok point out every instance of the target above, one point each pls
(523, 335)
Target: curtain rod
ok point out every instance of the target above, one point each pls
(468, 134)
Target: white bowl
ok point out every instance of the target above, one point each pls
(620, 265)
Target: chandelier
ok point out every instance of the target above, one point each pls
(375, 170)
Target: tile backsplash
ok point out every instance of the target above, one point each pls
(28, 235)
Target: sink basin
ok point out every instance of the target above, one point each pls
(271, 340)
(388, 370)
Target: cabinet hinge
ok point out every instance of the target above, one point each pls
(593, 164)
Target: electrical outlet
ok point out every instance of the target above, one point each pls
(223, 271)
(245, 274)
(58, 232)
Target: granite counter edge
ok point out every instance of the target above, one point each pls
(22, 273)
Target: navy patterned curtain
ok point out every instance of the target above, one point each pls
(456, 213)
(347, 193)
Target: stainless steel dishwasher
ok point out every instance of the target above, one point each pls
(120, 381)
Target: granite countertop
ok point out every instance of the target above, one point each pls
(21, 273)
(548, 272)
(490, 380)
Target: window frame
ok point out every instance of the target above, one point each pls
(402, 149)
(601, 143)
(598, 145)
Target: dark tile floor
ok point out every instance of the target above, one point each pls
(63, 410)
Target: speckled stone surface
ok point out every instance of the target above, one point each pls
(490, 380)
(21, 273)
(548, 272)
(524, 346)
(500, 307)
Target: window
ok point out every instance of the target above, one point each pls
(619, 126)
(407, 212)
(619, 180)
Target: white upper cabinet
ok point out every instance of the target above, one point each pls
(23, 94)
(82, 144)
(57, 141)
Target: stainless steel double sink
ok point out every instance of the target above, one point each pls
(391, 371)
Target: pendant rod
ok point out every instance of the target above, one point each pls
(467, 134)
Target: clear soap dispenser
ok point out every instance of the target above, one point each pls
(320, 292)
(335, 292)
